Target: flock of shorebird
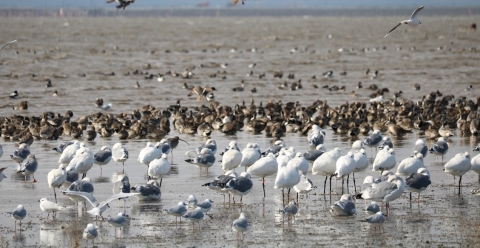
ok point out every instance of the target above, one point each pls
(274, 119)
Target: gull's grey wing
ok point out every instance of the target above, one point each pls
(416, 11)
(117, 196)
(88, 196)
(7, 44)
(393, 29)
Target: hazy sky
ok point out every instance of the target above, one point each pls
(248, 3)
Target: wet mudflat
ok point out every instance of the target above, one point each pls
(437, 55)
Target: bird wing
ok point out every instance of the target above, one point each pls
(2, 169)
(392, 29)
(110, 1)
(117, 196)
(414, 14)
(88, 196)
(7, 44)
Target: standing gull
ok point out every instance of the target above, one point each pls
(219, 183)
(191, 201)
(83, 161)
(240, 225)
(250, 154)
(417, 182)
(361, 163)
(232, 157)
(149, 153)
(103, 157)
(325, 165)
(49, 207)
(372, 208)
(413, 21)
(158, 168)
(195, 215)
(374, 139)
(203, 160)
(69, 152)
(304, 186)
(384, 160)
(376, 219)
(287, 177)
(475, 163)
(385, 191)
(29, 167)
(206, 205)
(56, 178)
(90, 232)
(440, 148)
(119, 154)
(458, 166)
(118, 220)
(19, 214)
(312, 155)
(291, 209)
(264, 167)
(421, 147)
(178, 211)
(410, 165)
(21, 153)
(241, 185)
(344, 166)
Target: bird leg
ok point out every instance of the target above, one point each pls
(101, 170)
(161, 178)
(418, 199)
(459, 182)
(343, 182)
(354, 185)
(348, 177)
(263, 184)
(330, 187)
(34, 180)
(325, 187)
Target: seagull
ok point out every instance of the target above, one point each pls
(240, 224)
(122, 4)
(56, 178)
(68, 152)
(344, 207)
(29, 167)
(90, 232)
(417, 182)
(241, 185)
(2, 176)
(83, 161)
(191, 201)
(291, 209)
(7, 44)
(21, 153)
(385, 191)
(372, 208)
(103, 157)
(205, 205)
(119, 154)
(118, 220)
(195, 215)
(178, 211)
(48, 206)
(304, 186)
(376, 219)
(439, 148)
(413, 21)
(19, 214)
(148, 192)
(231, 158)
(264, 167)
(458, 166)
(98, 207)
(158, 168)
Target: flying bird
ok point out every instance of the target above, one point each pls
(413, 21)
(122, 4)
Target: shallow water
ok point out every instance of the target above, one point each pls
(65, 48)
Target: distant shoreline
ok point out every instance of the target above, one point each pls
(230, 12)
